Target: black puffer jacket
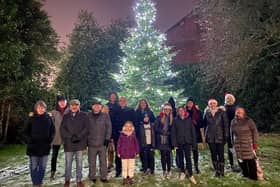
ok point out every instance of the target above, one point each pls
(183, 132)
(216, 126)
(39, 134)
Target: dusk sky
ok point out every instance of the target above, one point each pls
(63, 13)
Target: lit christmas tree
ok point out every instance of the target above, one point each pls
(145, 66)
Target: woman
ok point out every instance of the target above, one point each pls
(39, 134)
(245, 137)
(183, 137)
(216, 123)
(196, 118)
(163, 125)
(142, 110)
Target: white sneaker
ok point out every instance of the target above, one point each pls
(169, 174)
(182, 176)
(192, 179)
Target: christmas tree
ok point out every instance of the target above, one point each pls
(146, 64)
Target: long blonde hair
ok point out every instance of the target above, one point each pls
(170, 115)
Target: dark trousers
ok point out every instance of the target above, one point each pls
(55, 150)
(148, 158)
(184, 152)
(118, 161)
(230, 155)
(217, 152)
(195, 155)
(249, 168)
(165, 156)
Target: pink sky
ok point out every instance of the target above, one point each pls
(63, 13)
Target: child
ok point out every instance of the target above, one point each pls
(127, 150)
(147, 144)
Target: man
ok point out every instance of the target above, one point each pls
(57, 115)
(100, 130)
(124, 114)
(74, 133)
(245, 137)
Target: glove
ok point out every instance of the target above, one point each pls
(75, 139)
(106, 143)
(255, 146)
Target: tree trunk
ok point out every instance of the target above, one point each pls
(7, 123)
(2, 119)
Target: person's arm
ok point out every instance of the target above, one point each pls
(64, 132)
(84, 132)
(108, 127)
(52, 131)
(136, 145)
(225, 125)
(255, 133)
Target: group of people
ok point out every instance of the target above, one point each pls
(118, 132)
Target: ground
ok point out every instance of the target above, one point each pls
(269, 151)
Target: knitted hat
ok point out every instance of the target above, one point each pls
(60, 98)
(190, 99)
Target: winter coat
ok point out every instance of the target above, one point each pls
(123, 115)
(142, 136)
(216, 126)
(113, 112)
(140, 118)
(57, 119)
(198, 125)
(127, 146)
(100, 129)
(183, 132)
(245, 134)
(230, 110)
(163, 139)
(74, 131)
(39, 134)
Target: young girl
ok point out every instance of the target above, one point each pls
(162, 130)
(127, 150)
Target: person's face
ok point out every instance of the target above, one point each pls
(189, 104)
(213, 105)
(62, 103)
(113, 98)
(128, 128)
(240, 113)
(167, 111)
(105, 109)
(40, 110)
(74, 108)
(181, 112)
(143, 105)
(123, 102)
(96, 108)
(146, 119)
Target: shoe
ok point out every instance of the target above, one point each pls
(80, 184)
(182, 176)
(169, 174)
(104, 180)
(52, 175)
(118, 175)
(147, 172)
(125, 181)
(192, 179)
(93, 180)
(221, 167)
(67, 183)
(130, 180)
(164, 174)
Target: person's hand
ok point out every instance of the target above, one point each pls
(255, 146)
(75, 139)
(119, 155)
(137, 155)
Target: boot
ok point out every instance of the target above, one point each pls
(125, 181)
(216, 168)
(67, 183)
(192, 179)
(80, 184)
(196, 168)
(222, 169)
(52, 175)
(130, 180)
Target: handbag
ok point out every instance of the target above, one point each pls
(259, 169)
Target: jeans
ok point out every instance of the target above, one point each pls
(148, 158)
(55, 150)
(217, 152)
(69, 156)
(37, 168)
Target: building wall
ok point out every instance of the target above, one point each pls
(185, 38)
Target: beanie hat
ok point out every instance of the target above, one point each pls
(60, 98)
(190, 99)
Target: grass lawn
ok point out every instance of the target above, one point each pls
(269, 152)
